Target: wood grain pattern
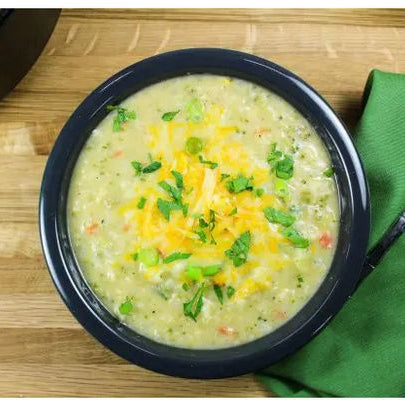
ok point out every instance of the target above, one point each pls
(43, 350)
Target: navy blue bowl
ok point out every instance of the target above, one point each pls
(341, 280)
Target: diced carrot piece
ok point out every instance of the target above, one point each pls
(92, 229)
(227, 331)
(262, 131)
(326, 240)
(280, 315)
(126, 227)
(118, 153)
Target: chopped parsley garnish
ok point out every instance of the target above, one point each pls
(258, 192)
(195, 110)
(329, 172)
(285, 168)
(233, 212)
(134, 256)
(230, 291)
(164, 206)
(224, 176)
(274, 154)
(176, 256)
(174, 192)
(201, 235)
(218, 292)
(185, 287)
(239, 184)
(239, 250)
(141, 203)
(139, 168)
(126, 307)
(152, 167)
(212, 165)
(281, 163)
(211, 223)
(203, 224)
(194, 145)
(179, 179)
(123, 115)
(193, 307)
(168, 116)
(278, 217)
(295, 238)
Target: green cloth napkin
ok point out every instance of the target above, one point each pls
(361, 353)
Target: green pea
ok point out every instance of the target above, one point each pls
(149, 256)
(194, 145)
(280, 188)
(211, 270)
(194, 273)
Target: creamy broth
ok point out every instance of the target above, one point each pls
(203, 211)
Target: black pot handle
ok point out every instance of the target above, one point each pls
(383, 245)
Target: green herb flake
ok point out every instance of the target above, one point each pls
(202, 223)
(179, 179)
(185, 287)
(166, 207)
(195, 110)
(277, 217)
(329, 172)
(233, 212)
(137, 167)
(274, 154)
(152, 167)
(194, 145)
(193, 307)
(168, 116)
(230, 291)
(239, 184)
(176, 256)
(211, 223)
(295, 238)
(258, 192)
(224, 176)
(239, 250)
(134, 256)
(212, 165)
(300, 281)
(141, 203)
(285, 168)
(218, 292)
(201, 235)
(123, 115)
(126, 307)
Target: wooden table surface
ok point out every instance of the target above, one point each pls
(43, 350)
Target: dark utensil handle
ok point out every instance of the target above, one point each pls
(383, 245)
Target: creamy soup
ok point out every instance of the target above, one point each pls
(203, 211)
